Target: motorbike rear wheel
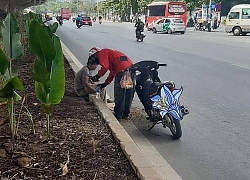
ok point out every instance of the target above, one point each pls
(78, 25)
(141, 37)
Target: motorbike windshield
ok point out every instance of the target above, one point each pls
(168, 102)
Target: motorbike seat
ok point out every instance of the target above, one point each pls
(160, 84)
(155, 87)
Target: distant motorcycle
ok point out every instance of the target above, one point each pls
(140, 35)
(201, 26)
(160, 99)
(60, 22)
(100, 21)
(74, 19)
(78, 24)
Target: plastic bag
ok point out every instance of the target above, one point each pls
(126, 80)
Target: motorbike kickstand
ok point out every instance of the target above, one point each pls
(153, 125)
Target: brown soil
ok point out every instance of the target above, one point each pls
(79, 135)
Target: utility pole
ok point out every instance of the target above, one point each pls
(77, 7)
(97, 8)
(210, 16)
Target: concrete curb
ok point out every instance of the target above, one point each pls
(138, 161)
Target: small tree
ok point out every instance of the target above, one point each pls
(48, 70)
(11, 82)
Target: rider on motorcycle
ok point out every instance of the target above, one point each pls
(139, 27)
(100, 19)
(79, 19)
(60, 20)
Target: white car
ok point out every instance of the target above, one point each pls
(169, 25)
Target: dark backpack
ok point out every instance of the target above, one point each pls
(140, 25)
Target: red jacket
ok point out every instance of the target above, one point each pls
(114, 61)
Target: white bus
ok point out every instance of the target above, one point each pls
(238, 20)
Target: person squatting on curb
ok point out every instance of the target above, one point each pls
(117, 63)
(83, 85)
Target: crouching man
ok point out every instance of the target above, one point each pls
(83, 85)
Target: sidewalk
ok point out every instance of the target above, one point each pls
(138, 161)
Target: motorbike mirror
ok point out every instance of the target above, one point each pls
(162, 64)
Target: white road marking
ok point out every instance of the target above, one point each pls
(240, 66)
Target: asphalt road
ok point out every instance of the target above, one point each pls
(214, 70)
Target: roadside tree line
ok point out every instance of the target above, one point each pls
(122, 8)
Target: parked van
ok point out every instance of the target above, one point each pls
(238, 20)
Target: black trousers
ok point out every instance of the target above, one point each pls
(123, 97)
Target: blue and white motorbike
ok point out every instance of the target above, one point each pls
(160, 99)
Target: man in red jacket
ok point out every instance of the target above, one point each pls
(116, 62)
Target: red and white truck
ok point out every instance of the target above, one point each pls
(65, 13)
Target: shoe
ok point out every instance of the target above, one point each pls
(118, 117)
(121, 117)
(125, 117)
(110, 101)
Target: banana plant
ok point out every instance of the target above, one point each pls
(29, 17)
(48, 69)
(12, 50)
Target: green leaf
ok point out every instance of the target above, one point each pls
(5, 91)
(29, 17)
(4, 61)
(42, 80)
(57, 81)
(40, 92)
(18, 85)
(41, 44)
(11, 37)
(8, 88)
(48, 30)
(32, 15)
(9, 75)
(54, 27)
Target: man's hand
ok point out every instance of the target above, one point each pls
(95, 78)
(103, 85)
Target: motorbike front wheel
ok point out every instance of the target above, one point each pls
(175, 127)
